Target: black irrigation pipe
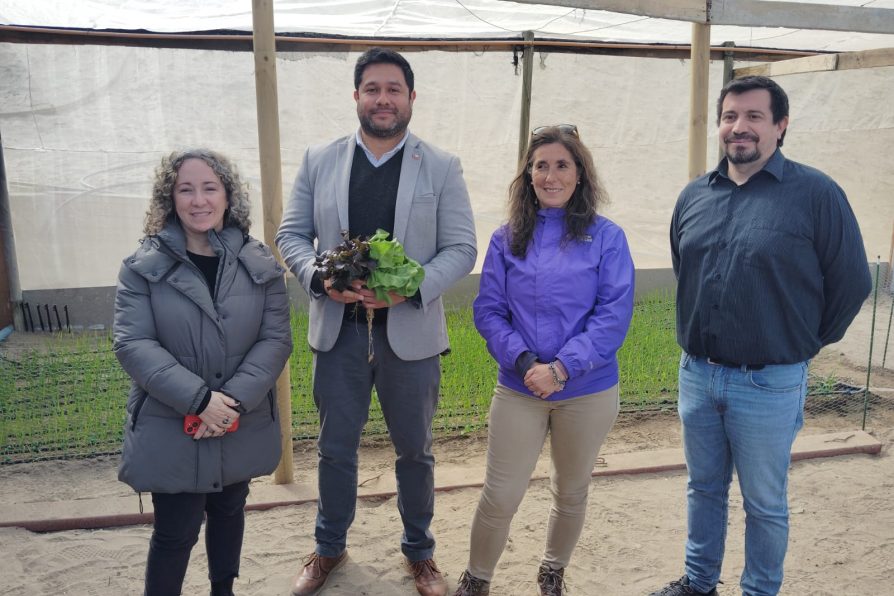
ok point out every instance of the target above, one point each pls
(58, 320)
(40, 318)
(67, 322)
(46, 308)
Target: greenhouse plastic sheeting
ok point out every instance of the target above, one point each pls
(420, 19)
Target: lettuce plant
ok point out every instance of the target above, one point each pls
(381, 264)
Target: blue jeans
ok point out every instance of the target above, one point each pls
(408, 393)
(745, 419)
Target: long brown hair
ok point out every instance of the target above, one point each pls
(581, 210)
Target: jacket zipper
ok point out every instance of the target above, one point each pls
(200, 361)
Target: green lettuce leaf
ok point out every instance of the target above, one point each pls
(394, 271)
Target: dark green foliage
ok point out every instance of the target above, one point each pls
(66, 400)
(650, 355)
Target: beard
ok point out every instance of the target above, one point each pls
(740, 155)
(397, 128)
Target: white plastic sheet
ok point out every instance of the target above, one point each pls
(419, 19)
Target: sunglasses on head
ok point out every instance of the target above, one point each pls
(570, 129)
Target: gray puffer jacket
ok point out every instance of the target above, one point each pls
(176, 342)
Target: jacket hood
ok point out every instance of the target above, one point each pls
(159, 253)
(258, 260)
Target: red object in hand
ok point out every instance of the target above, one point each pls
(191, 424)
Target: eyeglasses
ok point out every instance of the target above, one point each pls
(570, 129)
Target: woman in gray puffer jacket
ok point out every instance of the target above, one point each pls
(202, 328)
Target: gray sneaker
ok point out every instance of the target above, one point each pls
(681, 587)
(551, 581)
(469, 585)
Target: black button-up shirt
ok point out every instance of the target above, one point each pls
(770, 271)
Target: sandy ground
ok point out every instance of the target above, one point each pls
(842, 538)
(842, 531)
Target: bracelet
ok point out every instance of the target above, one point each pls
(556, 379)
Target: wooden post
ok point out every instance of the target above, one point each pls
(524, 126)
(10, 289)
(698, 99)
(891, 267)
(728, 68)
(271, 191)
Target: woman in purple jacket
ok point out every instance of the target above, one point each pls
(554, 305)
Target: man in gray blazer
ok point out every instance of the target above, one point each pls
(380, 177)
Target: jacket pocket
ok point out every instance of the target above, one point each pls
(271, 401)
(783, 378)
(136, 409)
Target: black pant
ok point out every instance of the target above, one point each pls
(178, 518)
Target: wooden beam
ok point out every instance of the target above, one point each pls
(698, 99)
(784, 67)
(242, 42)
(799, 15)
(845, 61)
(678, 10)
(747, 13)
(866, 59)
(271, 193)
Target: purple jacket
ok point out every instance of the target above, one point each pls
(572, 302)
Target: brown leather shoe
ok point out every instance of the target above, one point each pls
(315, 573)
(429, 581)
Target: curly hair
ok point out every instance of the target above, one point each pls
(581, 210)
(161, 205)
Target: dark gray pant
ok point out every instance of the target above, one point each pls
(408, 393)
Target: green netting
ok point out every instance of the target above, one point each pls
(66, 397)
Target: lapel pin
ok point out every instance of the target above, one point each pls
(417, 156)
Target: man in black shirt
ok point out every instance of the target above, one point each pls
(385, 177)
(770, 267)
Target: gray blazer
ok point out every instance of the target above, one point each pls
(432, 219)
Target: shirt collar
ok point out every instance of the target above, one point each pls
(385, 156)
(551, 212)
(774, 166)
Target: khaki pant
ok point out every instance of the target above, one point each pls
(517, 430)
